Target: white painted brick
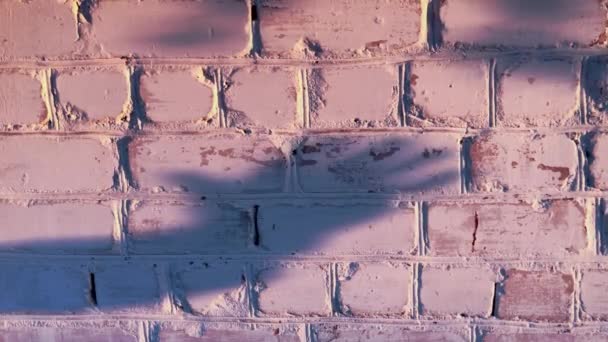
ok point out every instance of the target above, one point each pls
(177, 96)
(217, 163)
(447, 291)
(594, 284)
(21, 102)
(595, 82)
(384, 332)
(412, 163)
(56, 228)
(374, 289)
(95, 94)
(523, 23)
(339, 27)
(549, 228)
(128, 288)
(36, 29)
(161, 228)
(540, 92)
(292, 289)
(354, 97)
(212, 289)
(598, 165)
(232, 333)
(332, 228)
(523, 162)
(449, 93)
(47, 164)
(63, 334)
(539, 336)
(43, 289)
(171, 29)
(264, 97)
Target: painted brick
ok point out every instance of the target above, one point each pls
(550, 228)
(440, 297)
(337, 228)
(523, 162)
(535, 296)
(596, 89)
(231, 333)
(541, 336)
(263, 97)
(598, 165)
(448, 93)
(218, 163)
(292, 289)
(43, 289)
(161, 228)
(341, 27)
(64, 334)
(336, 103)
(20, 100)
(593, 288)
(387, 333)
(522, 23)
(413, 163)
(171, 29)
(374, 289)
(50, 30)
(56, 228)
(541, 92)
(127, 288)
(92, 94)
(46, 164)
(177, 96)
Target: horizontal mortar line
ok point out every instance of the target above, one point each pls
(585, 262)
(443, 54)
(196, 198)
(319, 132)
(39, 321)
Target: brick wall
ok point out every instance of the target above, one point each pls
(303, 170)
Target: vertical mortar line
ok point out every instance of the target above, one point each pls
(463, 167)
(401, 110)
(581, 183)
(304, 98)
(582, 92)
(429, 23)
(492, 92)
(598, 226)
(473, 333)
(333, 284)
(219, 91)
(576, 302)
(309, 336)
(420, 208)
(254, 29)
(120, 210)
(591, 226)
(416, 268)
(144, 332)
(250, 285)
(49, 91)
(163, 274)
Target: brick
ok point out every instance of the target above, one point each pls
(354, 97)
(417, 163)
(340, 27)
(441, 296)
(92, 94)
(541, 336)
(171, 29)
(521, 23)
(535, 296)
(593, 288)
(50, 31)
(64, 334)
(21, 100)
(550, 228)
(43, 289)
(449, 93)
(47, 164)
(264, 97)
(595, 82)
(160, 228)
(231, 334)
(177, 96)
(374, 289)
(292, 289)
(56, 228)
(523, 162)
(598, 165)
(127, 288)
(537, 92)
(388, 333)
(218, 163)
(212, 289)
(347, 228)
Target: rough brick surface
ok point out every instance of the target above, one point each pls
(127, 288)
(598, 165)
(523, 23)
(595, 80)
(101, 334)
(369, 333)
(317, 27)
(21, 102)
(231, 333)
(593, 285)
